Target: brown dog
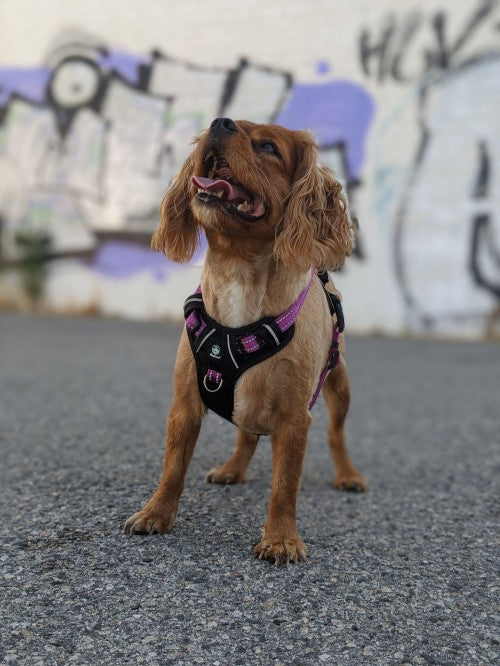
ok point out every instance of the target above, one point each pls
(276, 214)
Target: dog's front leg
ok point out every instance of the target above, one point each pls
(280, 540)
(183, 427)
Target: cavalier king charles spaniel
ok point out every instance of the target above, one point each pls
(270, 212)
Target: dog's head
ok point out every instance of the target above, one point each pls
(256, 189)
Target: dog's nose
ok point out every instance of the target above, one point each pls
(223, 125)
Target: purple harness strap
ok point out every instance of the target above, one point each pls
(288, 317)
(333, 359)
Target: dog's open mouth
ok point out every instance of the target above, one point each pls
(220, 188)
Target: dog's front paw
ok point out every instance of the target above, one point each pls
(355, 482)
(281, 551)
(146, 521)
(224, 474)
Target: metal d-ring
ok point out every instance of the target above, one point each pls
(211, 390)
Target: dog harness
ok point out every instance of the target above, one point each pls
(223, 354)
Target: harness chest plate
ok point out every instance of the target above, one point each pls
(223, 354)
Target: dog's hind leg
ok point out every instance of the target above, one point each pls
(234, 469)
(337, 397)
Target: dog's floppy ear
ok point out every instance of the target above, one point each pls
(177, 232)
(315, 229)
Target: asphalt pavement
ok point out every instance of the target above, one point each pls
(404, 574)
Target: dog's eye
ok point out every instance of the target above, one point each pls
(269, 147)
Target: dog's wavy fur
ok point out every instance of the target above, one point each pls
(256, 268)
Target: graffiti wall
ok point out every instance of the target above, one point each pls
(95, 121)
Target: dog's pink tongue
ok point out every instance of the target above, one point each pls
(231, 192)
(211, 185)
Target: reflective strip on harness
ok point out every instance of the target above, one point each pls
(275, 337)
(204, 339)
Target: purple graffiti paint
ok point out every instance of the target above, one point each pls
(121, 259)
(322, 67)
(337, 112)
(29, 83)
(123, 63)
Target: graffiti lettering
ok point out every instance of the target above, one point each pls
(398, 51)
(458, 148)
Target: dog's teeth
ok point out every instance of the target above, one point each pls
(219, 194)
(199, 190)
(244, 207)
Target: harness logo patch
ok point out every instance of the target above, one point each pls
(215, 351)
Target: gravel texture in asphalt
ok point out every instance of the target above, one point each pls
(404, 574)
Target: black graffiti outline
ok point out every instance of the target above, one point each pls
(482, 228)
(392, 44)
(478, 224)
(445, 55)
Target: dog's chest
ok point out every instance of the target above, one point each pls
(236, 305)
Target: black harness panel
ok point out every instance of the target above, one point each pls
(223, 354)
(219, 350)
